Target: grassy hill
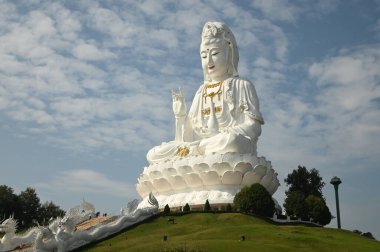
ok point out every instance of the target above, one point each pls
(222, 232)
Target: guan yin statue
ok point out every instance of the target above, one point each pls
(214, 151)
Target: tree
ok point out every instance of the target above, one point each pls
(48, 211)
(26, 207)
(309, 183)
(229, 207)
(166, 209)
(255, 199)
(8, 202)
(30, 207)
(318, 210)
(295, 205)
(207, 206)
(186, 208)
(304, 196)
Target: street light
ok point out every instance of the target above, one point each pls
(336, 181)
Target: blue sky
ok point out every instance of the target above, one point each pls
(85, 92)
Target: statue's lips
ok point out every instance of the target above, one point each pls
(211, 67)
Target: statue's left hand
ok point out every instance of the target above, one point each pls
(179, 104)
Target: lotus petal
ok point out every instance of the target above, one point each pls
(273, 187)
(262, 161)
(142, 190)
(161, 185)
(221, 168)
(232, 178)
(201, 167)
(243, 167)
(250, 178)
(155, 174)
(184, 169)
(260, 170)
(169, 172)
(193, 180)
(177, 182)
(210, 178)
(269, 165)
(267, 179)
(146, 187)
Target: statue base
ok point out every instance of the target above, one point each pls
(195, 179)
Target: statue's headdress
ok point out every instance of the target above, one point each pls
(213, 31)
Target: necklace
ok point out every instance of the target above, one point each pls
(214, 85)
(212, 94)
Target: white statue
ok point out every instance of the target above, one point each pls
(61, 235)
(10, 239)
(213, 154)
(224, 116)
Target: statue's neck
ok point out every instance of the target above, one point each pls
(217, 79)
(8, 235)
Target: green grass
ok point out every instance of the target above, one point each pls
(222, 231)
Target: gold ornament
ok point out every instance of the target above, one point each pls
(182, 151)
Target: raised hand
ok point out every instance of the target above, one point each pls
(179, 104)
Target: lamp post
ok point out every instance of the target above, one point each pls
(335, 181)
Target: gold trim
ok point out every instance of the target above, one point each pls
(182, 151)
(212, 94)
(207, 111)
(214, 84)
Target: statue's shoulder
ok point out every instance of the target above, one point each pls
(200, 89)
(240, 82)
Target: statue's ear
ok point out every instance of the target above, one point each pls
(230, 60)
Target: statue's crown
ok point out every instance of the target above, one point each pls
(212, 30)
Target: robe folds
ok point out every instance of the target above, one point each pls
(238, 124)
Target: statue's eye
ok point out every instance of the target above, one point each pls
(215, 53)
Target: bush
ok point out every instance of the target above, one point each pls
(317, 210)
(229, 207)
(255, 199)
(295, 205)
(207, 206)
(167, 209)
(368, 235)
(186, 208)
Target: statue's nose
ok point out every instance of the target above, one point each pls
(209, 60)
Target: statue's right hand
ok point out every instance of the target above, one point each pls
(179, 104)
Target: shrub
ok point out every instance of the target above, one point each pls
(229, 208)
(167, 209)
(207, 206)
(317, 209)
(186, 208)
(255, 199)
(295, 205)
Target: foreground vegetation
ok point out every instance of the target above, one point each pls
(223, 231)
(26, 207)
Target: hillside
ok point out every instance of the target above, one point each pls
(222, 232)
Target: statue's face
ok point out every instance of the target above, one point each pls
(214, 58)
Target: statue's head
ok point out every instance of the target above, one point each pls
(8, 226)
(219, 52)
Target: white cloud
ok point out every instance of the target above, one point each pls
(91, 52)
(337, 127)
(87, 181)
(289, 11)
(277, 9)
(77, 74)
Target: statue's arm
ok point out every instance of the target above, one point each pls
(247, 104)
(181, 120)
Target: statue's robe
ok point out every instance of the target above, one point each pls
(238, 120)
